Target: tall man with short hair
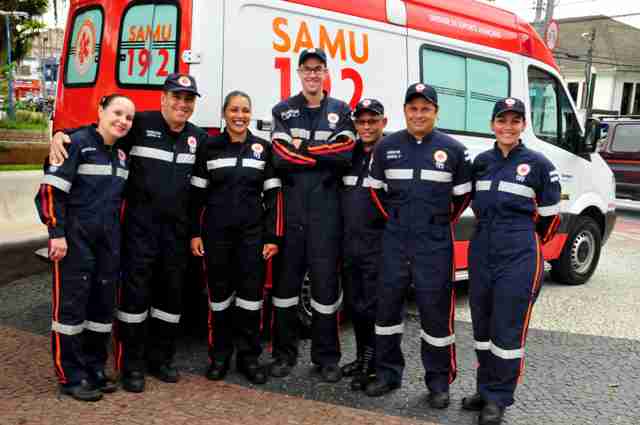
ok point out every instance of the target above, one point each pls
(313, 139)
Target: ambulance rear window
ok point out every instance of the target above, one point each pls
(467, 87)
(83, 51)
(148, 44)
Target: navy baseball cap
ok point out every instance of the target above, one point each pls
(313, 52)
(181, 82)
(368, 105)
(509, 104)
(422, 90)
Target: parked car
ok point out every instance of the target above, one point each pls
(620, 148)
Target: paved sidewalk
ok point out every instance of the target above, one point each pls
(27, 396)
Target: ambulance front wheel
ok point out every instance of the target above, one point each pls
(580, 255)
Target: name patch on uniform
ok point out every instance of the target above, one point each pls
(394, 154)
(440, 158)
(290, 113)
(155, 134)
(83, 150)
(257, 150)
(193, 144)
(522, 171)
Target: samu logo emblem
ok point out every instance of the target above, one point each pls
(522, 172)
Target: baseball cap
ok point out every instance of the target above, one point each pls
(313, 52)
(506, 105)
(368, 105)
(181, 82)
(423, 90)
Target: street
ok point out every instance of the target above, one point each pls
(582, 365)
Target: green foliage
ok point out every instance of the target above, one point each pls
(26, 120)
(20, 167)
(22, 29)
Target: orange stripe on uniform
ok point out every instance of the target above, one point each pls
(292, 156)
(57, 348)
(332, 147)
(376, 200)
(52, 213)
(537, 279)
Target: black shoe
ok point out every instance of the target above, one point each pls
(331, 373)
(133, 381)
(354, 368)
(166, 373)
(217, 370)
(474, 403)
(102, 382)
(253, 371)
(378, 387)
(83, 391)
(438, 400)
(491, 414)
(361, 380)
(280, 368)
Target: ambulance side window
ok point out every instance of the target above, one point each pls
(467, 88)
(83, 52)
(552, 117)
(148, 44)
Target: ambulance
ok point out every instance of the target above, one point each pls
(471, 52)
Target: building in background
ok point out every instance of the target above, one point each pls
(40, 68)
(615, 66)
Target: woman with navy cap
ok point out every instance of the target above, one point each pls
(516, 202)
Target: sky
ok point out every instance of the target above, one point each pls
(524, 8)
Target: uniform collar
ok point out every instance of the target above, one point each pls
(513, 151)
(426, 139)
(227, 138)
(300, 101)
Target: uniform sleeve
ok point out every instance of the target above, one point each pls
(52, 197)
(273, 222)
(285, 154)
(198, 190)
(462, 185)
(548, 202)
(334, 149)
(378, 185)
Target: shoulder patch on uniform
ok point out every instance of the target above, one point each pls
(155, 134)
(290, 113)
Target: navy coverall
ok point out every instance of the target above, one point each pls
(311, 178)
(516, 202)
(428, 185)
(363, 225)
(156, 239)
(236, 186)
(81, 201)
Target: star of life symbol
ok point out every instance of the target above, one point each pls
(193, 144)
(510, 102)
(440, 157)
(366, 103)
(420, 87)
(85, 47)
(184, 81)
(522, 171)
(257, 150)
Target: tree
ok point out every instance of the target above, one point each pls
(22, 29)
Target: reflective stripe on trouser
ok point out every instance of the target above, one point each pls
(235, 272)
(429, 267)
(501, 307)
(318, 248)
(83, 298)
(155, 258)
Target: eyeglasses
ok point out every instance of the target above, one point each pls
(371, 121)
(318, 70)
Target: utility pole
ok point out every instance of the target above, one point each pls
(10, 111)
(587, 98)
(544, 15)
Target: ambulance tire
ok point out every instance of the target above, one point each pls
(580, 255)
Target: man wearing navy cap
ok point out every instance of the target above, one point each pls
(313, 139)
(162, 146)
(425, 176)
(363, 224)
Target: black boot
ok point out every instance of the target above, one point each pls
(491, 414)
(281, 367)
(253, 371)
(474, 403)
(438, 400)
(83, 391)
(166, 373)
(102, 382)
(133, 381)
(368, 372)
(217, 370)
(379, 387)
(354, 368)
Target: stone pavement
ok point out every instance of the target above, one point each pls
(572, 379)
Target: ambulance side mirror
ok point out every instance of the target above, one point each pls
(591, 135)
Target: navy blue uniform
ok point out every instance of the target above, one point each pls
(516, 203)
(311, 178)
(156, 239)
(363, 225)
(427, 184)
(81, 201)
(236, 185)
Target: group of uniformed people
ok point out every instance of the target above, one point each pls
(317, 197)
